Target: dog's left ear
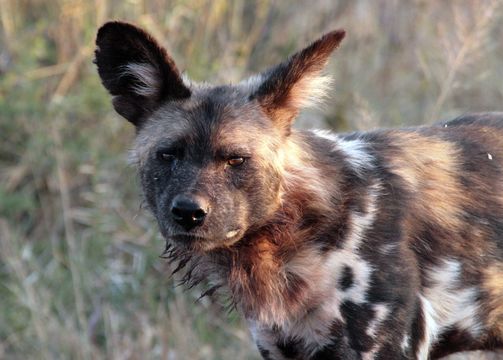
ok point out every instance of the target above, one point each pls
(136, 70)
(298, 82)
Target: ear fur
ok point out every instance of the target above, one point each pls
(136, 70)
(296, 83)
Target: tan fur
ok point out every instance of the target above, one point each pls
(429, 167)
(493, 284)
(300, 173)
(302, 83)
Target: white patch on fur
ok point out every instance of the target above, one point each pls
(147, 77)
(454, 306)
(362, 222)
(369, 355)
(325, 134)
(430, 329)
(310, 90)
(405, 343)
(355, 150)
(188, 82)
(381, 313)
(388, 248)
(446, 305)
(231, 233)
(252, 83)
(133, 157)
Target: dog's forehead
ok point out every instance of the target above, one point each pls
(211, 117)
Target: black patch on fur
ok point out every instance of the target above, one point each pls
(357, 319)
(338, 347)
(489, 119)
(266, 354)
(391, 351)
(454, 340)
(346, 280)
(289, 347)
(417, 333)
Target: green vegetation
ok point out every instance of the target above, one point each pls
(80, 276)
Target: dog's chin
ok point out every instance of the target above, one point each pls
(203, 244)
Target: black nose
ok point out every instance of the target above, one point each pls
(188, 211)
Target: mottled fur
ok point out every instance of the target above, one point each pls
(378, 245)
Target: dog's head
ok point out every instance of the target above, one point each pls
(210, 157)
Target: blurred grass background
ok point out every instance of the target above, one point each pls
(80, 276)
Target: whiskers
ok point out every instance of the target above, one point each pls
(180, 260)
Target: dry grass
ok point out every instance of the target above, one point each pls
(80, 275)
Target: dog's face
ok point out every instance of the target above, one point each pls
(207, 167)
(210, 157)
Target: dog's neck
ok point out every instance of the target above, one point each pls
(277, 272)
(273, 273)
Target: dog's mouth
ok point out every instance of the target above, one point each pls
(186, 238)
(202, 243)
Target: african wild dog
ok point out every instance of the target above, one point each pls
(378, 245)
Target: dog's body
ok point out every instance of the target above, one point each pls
(418, 269)
(380, 245)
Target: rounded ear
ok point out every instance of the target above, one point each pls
(285, 89)
(136, 70)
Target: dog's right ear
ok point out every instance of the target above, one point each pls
(297, 82)
(136, 70)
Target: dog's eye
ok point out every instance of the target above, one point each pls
(167, 155)
(235, 161)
